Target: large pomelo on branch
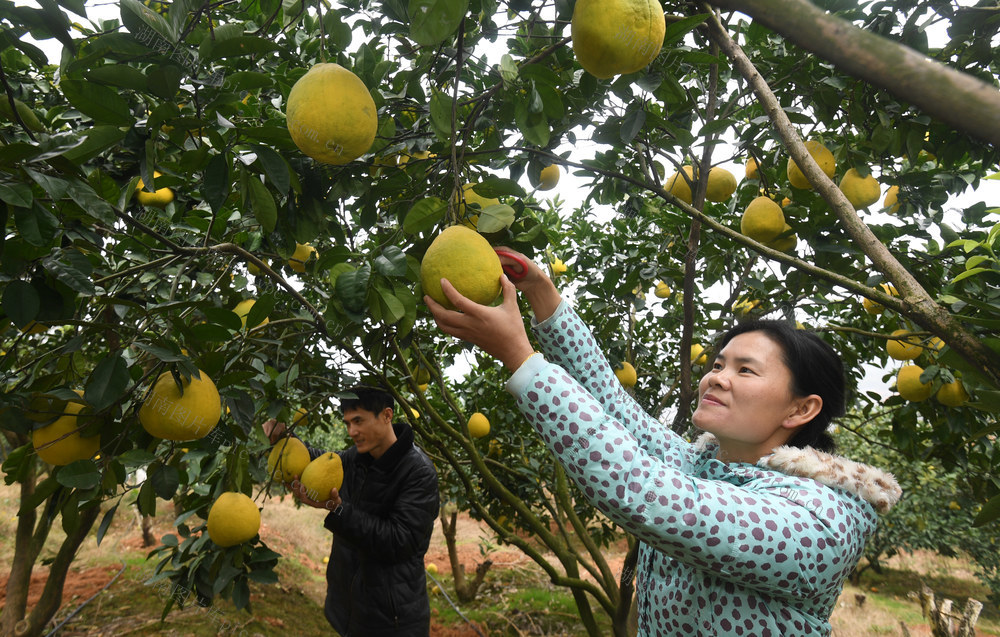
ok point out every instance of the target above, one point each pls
(331, 114)
(467, 260)
(612, 37)
(188, 412)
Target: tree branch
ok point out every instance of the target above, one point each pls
(963, 101)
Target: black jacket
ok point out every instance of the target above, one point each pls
(376, 584)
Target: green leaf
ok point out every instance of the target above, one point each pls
(431, 21)
(105, 524)
(424, 215)
(264, 209)
(96, 140)
(165, 480)
(101, 103)
(969, 273)
(91, 202)
(392, 308)
(493, 187)
(392, 262)
(240, 45)
(73, 270)
(632, 124)
(441, 115)
(82, 474)
(989, 512)
(16, 194)
(108, 382)
(352, 288)
(275, 168)
(495, 218)
(121, 75)
(21, 302)
(17, 463)
(217, 186)
(534, 126)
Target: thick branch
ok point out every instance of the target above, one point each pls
(918, 305)
(961, 100)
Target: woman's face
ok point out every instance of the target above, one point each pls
(746, 398)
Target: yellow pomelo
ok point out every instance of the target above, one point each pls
(322, 474)
(721, 184)
(626, 374)
(698, 354)
(611, 37)
(479, 425)
(751, 168)
(303, 252)
(467, 202)
(785, 241)
(678, 186)
(422, 387)
(53, 448)
(909, 386)
(23, 111)
(172, 415)
(331, 115)
(233, 519)
(558, 267)
(159, 199)
(288, 458)
(34, 327)
(860, 191)
(891, 201)
(903, 346)
(823, 157)
(300, 418)
(763, 220)
(243, 308)
(432, 568)
(742, 307)
(952, 394)
(467, 260)
(876, 308)
(662, 290)
(549, 177)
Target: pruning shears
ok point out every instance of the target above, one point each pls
(514, 271)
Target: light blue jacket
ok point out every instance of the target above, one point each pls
(726, 549)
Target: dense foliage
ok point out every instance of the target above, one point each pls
(101, 293)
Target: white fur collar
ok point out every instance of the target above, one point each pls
(877, 487)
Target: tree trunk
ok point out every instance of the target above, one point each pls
(465, 590)
(941, 618)
(22, 564)
(51, 598)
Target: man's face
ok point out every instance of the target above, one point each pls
(372, 433)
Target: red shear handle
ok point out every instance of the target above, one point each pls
(514, 271)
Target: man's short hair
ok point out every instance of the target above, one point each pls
(373, 399)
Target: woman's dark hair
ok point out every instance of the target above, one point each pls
(815, 369)
(373, 399)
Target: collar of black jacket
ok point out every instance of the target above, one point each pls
(392, 455)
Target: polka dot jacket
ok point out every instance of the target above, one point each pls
(726, 549)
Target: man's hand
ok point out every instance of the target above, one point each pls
(273, 430)
(301, 494)
(498, 331)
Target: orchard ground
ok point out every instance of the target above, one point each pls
(516, 599)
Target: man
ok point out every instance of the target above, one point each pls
(381, 519)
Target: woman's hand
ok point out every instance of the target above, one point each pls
(498, 331)
(542, 295)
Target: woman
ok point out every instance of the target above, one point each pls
(748, 531)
